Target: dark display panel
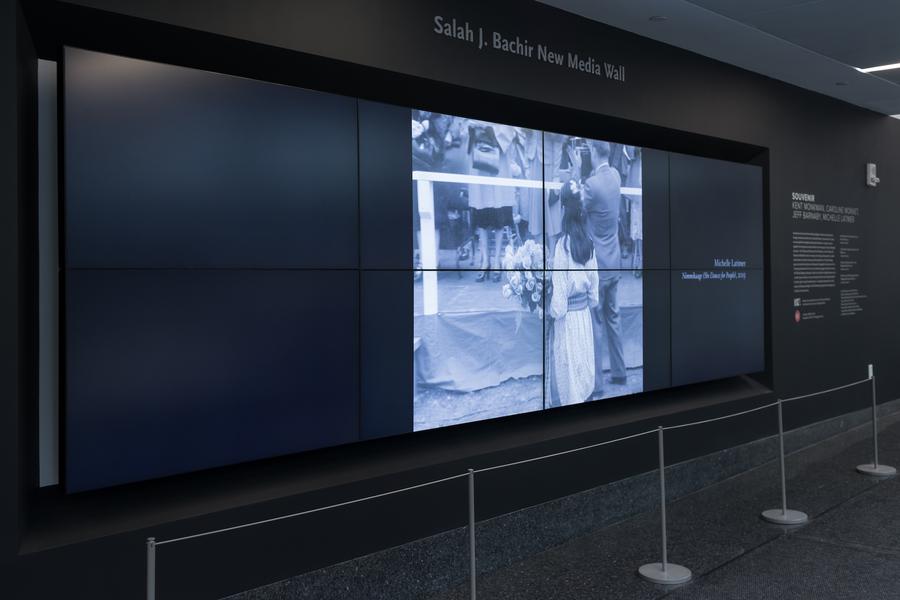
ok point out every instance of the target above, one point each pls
(384, 184)
(718, 324)
(169, 371)
(386, 354)
(167, 166)
(718, 318)
(717, 221)
(247, 299)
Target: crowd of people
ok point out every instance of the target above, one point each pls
(472, 220)
(474, 217)
(591, 226)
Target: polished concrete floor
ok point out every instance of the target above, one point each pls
(849, 550)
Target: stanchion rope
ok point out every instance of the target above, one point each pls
(723, 417)
(314, 510)
(555, 454)
(828, 391)
(501, 466)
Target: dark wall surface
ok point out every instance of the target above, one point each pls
(9, 262)
(91, 545)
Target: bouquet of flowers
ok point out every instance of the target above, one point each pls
(525, 279)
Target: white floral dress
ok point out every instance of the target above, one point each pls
(573, 337)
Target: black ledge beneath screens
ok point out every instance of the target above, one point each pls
(279, 485)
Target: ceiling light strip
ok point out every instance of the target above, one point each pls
(879, 68)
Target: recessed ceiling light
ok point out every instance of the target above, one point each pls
(879, 68)
(840, 83)
(658, 18)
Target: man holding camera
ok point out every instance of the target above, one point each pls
(602, 192)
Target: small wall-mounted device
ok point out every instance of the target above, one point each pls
(872, 179)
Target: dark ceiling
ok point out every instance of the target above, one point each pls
(813, 44)
(858, 33)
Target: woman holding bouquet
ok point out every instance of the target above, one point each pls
(576, 285)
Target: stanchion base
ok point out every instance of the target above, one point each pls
(785, 517)
(673, 575)
(879, 471)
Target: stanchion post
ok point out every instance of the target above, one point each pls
(874, 417)
(874, 468)
(664, 572)
(472, 565)
(151, 568)
(783, 515)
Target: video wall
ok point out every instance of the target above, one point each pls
(246, 264)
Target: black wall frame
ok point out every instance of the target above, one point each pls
(44, 532)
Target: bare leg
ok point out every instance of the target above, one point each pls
(483, 247)
(638, 257)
